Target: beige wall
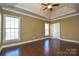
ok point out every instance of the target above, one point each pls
(31, 28)
(69, 28)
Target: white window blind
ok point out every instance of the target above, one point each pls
(11, 27)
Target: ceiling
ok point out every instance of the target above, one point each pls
(36, 10)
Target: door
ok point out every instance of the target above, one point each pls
(55, 30)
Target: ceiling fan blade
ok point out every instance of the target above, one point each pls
(56, 5)
(51, 9)
(45, 8)
(43, 4)
(48, 4)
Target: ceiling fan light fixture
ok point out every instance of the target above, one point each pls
(49, 6)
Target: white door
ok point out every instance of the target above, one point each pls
(55, 30)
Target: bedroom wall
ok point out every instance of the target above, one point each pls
(31, 28)
(69, 28)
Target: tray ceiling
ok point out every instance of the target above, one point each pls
(36, 10)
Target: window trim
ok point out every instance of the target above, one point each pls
(4, 33)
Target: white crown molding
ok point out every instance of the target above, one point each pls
(25, 14)
(62, 17)
(57, 18)
(17, 6)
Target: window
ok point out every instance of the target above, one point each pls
(11, 27)
(46, 29)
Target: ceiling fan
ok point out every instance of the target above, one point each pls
(49, 6)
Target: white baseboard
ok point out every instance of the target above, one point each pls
(24, 42)
(19, 43)
(68, 40)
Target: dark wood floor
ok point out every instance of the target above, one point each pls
(47, 47)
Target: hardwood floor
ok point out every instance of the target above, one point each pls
(47, 47)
